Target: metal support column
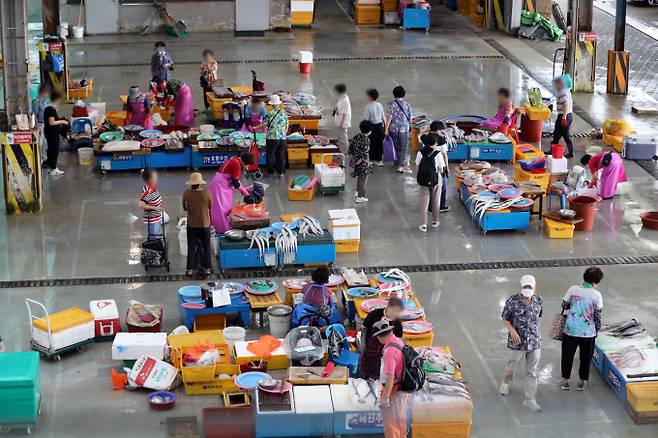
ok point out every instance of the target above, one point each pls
(50, 16)
(14, 40)
(619, 59)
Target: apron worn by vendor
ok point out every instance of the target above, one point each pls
(221, 191)
(252, 120)
(611, 175)
(183, 107)
(502, 117)
(139, 112)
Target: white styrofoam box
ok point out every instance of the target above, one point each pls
(301, 5)
(314, 399)
(305, 56)
(131, 346)
(345, 224)
(391, 17)
(64, 338)
(367, 2)
(439, 408)
(104, 309)
(329, 176)
(557, 165)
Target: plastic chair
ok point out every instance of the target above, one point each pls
(347, 358)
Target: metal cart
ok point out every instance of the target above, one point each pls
(48, 352)
(332, 179)
(156, 243)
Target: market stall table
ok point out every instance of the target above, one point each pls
(490, 151)
(495, 220)
(239, 304)
(537, 195)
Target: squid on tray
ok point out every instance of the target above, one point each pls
(262, 241)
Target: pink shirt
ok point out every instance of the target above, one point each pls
(392, 360)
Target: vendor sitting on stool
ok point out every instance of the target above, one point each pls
(138, 109)
(317, 307)
(504, 115)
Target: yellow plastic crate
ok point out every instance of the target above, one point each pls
(209, 322)
(642, 396)
(180, 344)
(440, 430)
(389, 5)
(301, 195)
(277, 361)
(558, 230)
(214, 385)
(540, 178)
(116, 117)
(534, 113)
(311, 126)
(347, 246)
(316, 157)
(63, 320)
(535, 152)
(420, 340)
(367, 14)
(81, 93)
(297, 153)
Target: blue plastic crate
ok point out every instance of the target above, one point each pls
(211, 159)
(246, 258)
(517, 220)
(415, 18)
(617, 381)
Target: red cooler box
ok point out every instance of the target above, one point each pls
(106, 318)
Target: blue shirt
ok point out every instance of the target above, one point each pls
(158, 69)
(401, 115)
(38, 105)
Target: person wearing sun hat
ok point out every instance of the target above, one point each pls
(276, 122)
(522, 317)
(197, 202)
(392, 402)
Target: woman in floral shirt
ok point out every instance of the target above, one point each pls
(207, 74)
(360, 160)
(398, 124)
(276, 121)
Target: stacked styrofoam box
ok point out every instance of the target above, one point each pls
(557, 165)
(345, 227)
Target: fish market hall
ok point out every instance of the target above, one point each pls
(299, 218)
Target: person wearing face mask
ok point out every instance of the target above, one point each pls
(522, 316)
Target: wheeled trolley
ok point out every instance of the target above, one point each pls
(53, 335)
(155, 250)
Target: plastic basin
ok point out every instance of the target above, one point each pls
(585, 206)
(650, 219)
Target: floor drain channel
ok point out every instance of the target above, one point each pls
(304, 271)
(317, 59)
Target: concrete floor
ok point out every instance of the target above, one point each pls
(90, 225)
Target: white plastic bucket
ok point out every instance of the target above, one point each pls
(85, 156)
(233, 335)
(63, 29)
(78, 32)
(279, 316)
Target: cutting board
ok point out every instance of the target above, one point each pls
(296, 376)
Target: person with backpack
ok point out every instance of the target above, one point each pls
(371, 348)
(430, 163)
(317, 301)
(392, 401)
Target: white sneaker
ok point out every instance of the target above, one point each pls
(407, 169)
(356, 195)
(423, 228)
(359, 200)
(532, 405)
(504, 389)
(400, 169)
(379, 163)
(56, 172)
(435, 224)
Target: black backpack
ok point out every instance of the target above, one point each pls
(413, 376)
(427, 176)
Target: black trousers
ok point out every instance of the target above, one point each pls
(563, 132)
(376, 146)
(275, 154)
(569, 346)
(52, 152)
(198, 240)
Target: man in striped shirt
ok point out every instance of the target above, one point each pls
(151, 203)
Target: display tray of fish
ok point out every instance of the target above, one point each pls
(625, 329)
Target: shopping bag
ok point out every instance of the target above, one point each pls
(23, 122)
(557, 328)
(390, 154)
(57, 61)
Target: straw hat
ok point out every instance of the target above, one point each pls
(195, 179)
(275, 100)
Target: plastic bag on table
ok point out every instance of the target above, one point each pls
(193, 354)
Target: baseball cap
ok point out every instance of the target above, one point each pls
(380, 327)
(528, 280)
